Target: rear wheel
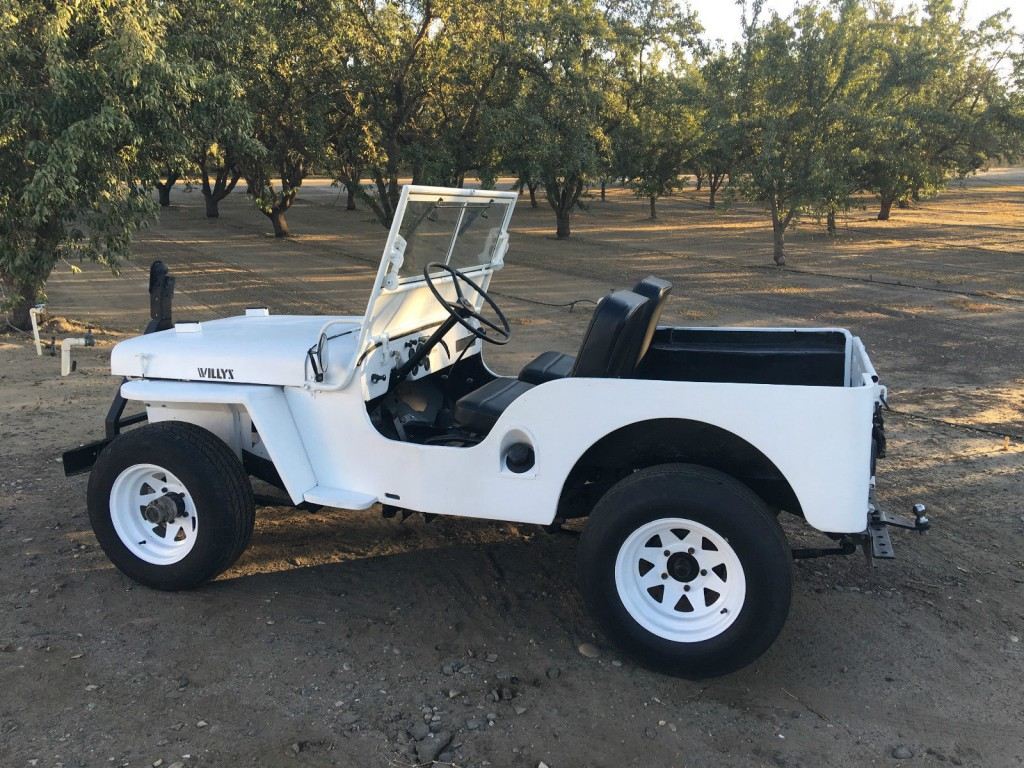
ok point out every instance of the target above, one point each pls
(686, 568)
(171, 505)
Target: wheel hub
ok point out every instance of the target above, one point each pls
(154, 514)
(680, 579)
(165, 509)
(682, 566)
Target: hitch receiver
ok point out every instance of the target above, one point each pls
(879, 522)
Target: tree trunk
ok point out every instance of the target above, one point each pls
(350, 202)
(563, 197)
(654, 211)
(779, 244)
(164, 189)
(712, 191)
(700, 185)
(24, 293)
(603, 191)
(533, 194)
(562, 230)
(831, 222)
(779, 223)
(19, 317)
(212, 207)
(883, 212)
(280, 223)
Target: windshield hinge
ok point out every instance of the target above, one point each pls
(396, 257)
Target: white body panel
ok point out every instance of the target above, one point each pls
(323, 442)
(229, 375)
(245, 349)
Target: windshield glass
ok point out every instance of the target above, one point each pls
(460, 234)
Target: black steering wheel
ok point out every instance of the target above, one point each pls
(463, 310)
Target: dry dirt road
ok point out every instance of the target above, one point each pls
(342, 639)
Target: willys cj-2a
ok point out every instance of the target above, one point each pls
(679, 445)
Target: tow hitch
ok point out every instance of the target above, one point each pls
(879, 522)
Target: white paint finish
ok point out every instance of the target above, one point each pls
(65, 354)
(701, 619)
(818, 437)
(339, 497)
(33, 315)
(398, 307)
(133, 489)
(221, 419)
(255, 349)
(320, 438)
(266, 406)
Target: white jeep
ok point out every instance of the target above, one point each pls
(680, 445)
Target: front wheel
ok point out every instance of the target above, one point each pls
(171, 505)
(686, 568)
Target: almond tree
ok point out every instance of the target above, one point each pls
(653, 117)
(287, 70)
(558, 118)
(720, 146)
(658, 138)
(419, 87)
(391, 67)
(217, 124)
(799, 84)
(941, 95)
(81, 80)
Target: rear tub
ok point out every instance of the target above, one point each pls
(819, 358)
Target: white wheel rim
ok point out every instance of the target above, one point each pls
(160, 544)
(680, 580)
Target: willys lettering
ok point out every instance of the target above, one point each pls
(217, 373)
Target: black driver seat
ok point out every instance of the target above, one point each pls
(611, 348)
(549, 366)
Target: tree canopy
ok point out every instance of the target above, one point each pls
(82, 83)
(807, 114)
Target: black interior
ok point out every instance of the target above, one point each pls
(811, 358)
(611, 348)
(549, 366)
(461, 403)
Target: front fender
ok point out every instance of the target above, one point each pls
(206, 404)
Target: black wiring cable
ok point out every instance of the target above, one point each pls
(955, 425)
(892, 283)
(571, 305)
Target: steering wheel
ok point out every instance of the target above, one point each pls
(463, 310)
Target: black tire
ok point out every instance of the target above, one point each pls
(215, 480)
(719, 503)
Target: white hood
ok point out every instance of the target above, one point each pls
(247, 350)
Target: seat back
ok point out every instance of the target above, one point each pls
(656, 291)
(611, 345)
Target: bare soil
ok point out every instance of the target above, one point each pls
(339, 635)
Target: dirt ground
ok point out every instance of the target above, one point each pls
(345, 639)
